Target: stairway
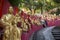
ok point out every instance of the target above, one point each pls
(56, 33)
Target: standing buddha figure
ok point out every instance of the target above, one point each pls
(11, 31)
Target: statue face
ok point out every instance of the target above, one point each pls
(11, 9)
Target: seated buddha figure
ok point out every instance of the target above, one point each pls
(23, 25)
(28, 24)
(37, 22)
(11, 31)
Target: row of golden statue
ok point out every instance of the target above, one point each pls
(11, 31)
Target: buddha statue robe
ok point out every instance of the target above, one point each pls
(11, 31)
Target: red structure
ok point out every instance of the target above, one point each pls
(1, 6)
(4, 5)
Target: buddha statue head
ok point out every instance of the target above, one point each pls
(10, 10)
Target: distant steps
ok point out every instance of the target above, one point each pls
(56, 33)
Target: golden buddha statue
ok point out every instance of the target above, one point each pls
(11, 31)
(28, 24)
(37, 22)
(7, 18)
(32, 21)
(24, 26)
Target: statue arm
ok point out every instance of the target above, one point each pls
(3, 19)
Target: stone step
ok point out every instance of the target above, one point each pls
(56, 33)
(57, 37)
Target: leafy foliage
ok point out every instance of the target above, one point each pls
(36, 4)
(57, 1)
(14, 2)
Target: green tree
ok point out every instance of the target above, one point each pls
(33, 5)
(14, 2)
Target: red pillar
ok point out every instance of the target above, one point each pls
(1, 7)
